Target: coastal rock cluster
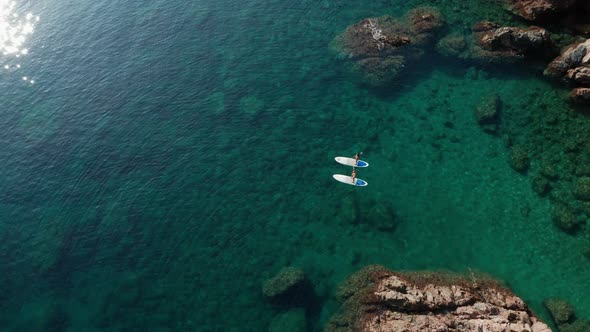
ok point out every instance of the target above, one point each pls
(573, 66)
(376, 299)
(380, 48)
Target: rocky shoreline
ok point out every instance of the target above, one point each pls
(376, 299)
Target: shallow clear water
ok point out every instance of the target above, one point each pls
(170, 157)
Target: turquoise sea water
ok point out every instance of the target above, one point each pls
(172, 156)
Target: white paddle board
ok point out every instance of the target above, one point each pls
(348, 180)
(350, 162)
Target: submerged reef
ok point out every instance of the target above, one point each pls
(380, 48)
(289, 287)
(376, 299)
(564, 316)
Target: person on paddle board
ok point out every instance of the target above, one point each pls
(356, 157)
(353, 175)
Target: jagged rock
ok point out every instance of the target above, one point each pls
(539, 9)
(381, 47)
(580, 95)
(561, 311)
(574, 56)
(381, 300)
(487, 113)
(519, 159)
(579, 75)
(509, 43)
(289, 286)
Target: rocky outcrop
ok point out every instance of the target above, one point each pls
(493, 42)
(580, 95)
(380, 48)
(376, 299)
(574, 56)
(579, 75)
(573, 66)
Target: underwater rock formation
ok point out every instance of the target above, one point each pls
(565, 219)
(561, 311)
(288, 287)
(452, 45)
(519, 159)
(376, 299)
(487, 114)
(564, 316)
(381, 47)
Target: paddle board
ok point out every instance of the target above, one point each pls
(350, 162)
(348, 180)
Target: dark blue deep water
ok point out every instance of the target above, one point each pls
(159, 160)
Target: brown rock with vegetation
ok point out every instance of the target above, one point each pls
(375, 299)
(381, 47)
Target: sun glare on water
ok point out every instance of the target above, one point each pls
(15, 30)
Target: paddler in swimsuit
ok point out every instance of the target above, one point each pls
(356, 158)
(354, 175)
